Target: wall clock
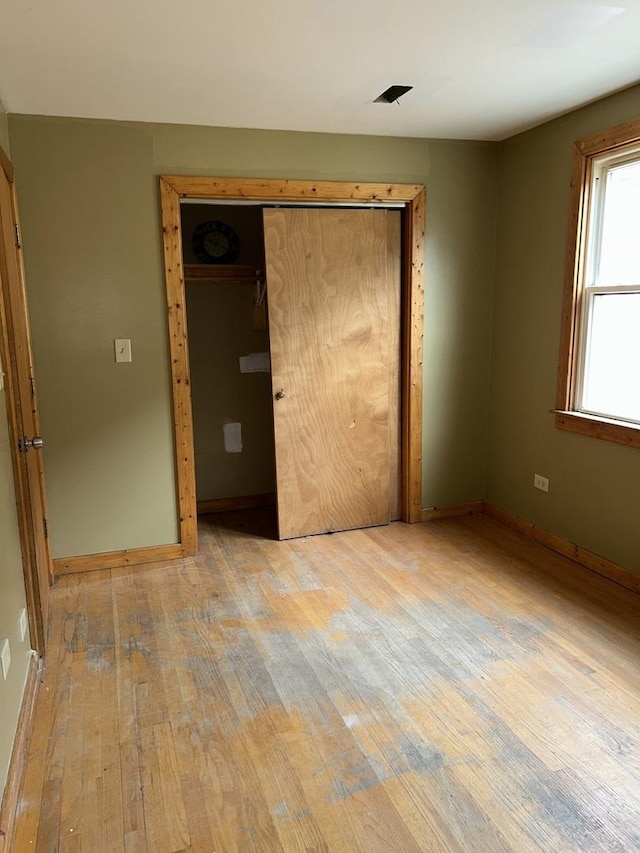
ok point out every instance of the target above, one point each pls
(215, 243)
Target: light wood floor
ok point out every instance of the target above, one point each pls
(437, 687)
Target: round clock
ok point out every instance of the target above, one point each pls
(215, 243)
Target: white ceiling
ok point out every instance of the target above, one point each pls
(482, 69)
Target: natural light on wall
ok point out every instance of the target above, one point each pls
(610, 328)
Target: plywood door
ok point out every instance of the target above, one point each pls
(333, 279)
(23, 417)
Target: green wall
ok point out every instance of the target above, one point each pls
(594, 491)
(89, 202)
(12, 597)
(89, 209)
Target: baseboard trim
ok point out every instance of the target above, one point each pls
(587, 559)
(128, 558)
(432, 513)
(19, 755)
(159, 554)
(230, 504)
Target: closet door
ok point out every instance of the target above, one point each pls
(333, 281)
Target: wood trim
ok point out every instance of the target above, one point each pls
(577, 422)
(19, 755)
(181, 383)
(433, 513)
(172, 188)
(231, 504)
(608, 140)
(412, 343)
(6, 165)
(42, 492)
(594, 562)
(128, 557)
(31, 579)
(572, 278)
(258, 189)
(10, 352)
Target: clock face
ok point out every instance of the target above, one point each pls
(215, 243)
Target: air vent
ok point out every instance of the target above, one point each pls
(392, 94)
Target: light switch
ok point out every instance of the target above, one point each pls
(123, 349)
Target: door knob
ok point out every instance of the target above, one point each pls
(35, 443)
(280, 394)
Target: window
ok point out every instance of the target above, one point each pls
(599, 376)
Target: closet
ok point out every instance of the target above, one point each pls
(228, 355)
(307, 299)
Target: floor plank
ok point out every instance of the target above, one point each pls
(447, 686)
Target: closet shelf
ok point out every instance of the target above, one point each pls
(222, 274)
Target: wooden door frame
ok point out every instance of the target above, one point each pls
(172, 189)
(14, 419)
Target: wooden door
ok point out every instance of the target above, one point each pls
(24, 425)
(333, 282)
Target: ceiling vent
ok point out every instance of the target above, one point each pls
(392, 94)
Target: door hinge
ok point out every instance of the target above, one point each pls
(33, 386)
(46, 528)
(18, 237)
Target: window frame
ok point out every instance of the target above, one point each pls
(574, 314)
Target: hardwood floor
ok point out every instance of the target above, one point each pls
(438, 687)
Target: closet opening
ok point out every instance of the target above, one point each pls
(295, 320)
(229, 360)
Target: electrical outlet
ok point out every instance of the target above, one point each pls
(22, 622)
(5, 658)
(540, 482)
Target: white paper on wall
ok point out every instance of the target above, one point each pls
(255, 362)
(232, 437)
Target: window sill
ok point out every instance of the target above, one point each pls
(608, 430)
